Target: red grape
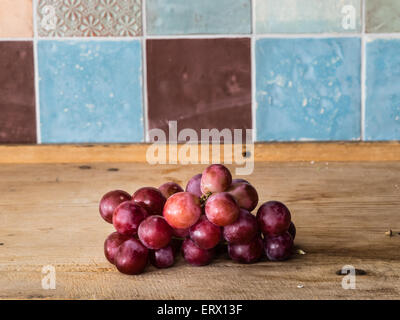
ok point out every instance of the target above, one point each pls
(131, 257)
(155, 233)
(243, 230)
(195, 255)
(181, 233)
(240, 181)
(205, 234)
(278, 248)
(222, 209)
(170, 188)
(112, 243)
(150, 198)
(193, 185)
(215, 178)
(127, 218)
(182, 210)
(110, 201)
(246, 253)
(292, 230)
(162, 258)
(212, 214)
(273, 218)
(245, 195)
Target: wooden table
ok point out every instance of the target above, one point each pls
(49, 216)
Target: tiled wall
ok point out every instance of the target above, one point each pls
(93, 71)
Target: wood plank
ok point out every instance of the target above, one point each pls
(260, 152)
(49, 216)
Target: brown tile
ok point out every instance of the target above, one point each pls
(201, 83)
(17, 93)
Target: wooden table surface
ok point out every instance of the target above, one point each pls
(49, 216)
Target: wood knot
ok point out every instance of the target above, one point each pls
(246, 154)
(359, 272)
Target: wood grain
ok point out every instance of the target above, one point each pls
(260, 152)
(49, 216)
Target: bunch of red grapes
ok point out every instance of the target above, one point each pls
(213, 212)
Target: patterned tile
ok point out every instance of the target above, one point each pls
(90, 91)
(201, 83)
(17, 93)
(89, 18)
(16, 19)
(308, 16)
(191, 17)
(382, 110)
(382, 16)
(308, 89)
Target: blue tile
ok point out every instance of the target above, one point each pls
(198, 17)
(308, 89)
(307, 16)
(90, 91)
(382, 108)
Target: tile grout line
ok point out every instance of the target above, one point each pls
(199, 36)
(253, 71)
(111, 38)
(144, 70)
(36, 75)
(217, 36)
(388, 36)
(363, 71)
(15, 39)
(307, 35)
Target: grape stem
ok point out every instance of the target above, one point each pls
(204, 197)
(178, 238)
